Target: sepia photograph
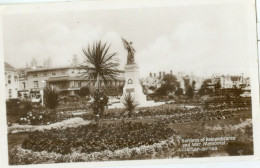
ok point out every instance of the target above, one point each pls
(137, 83)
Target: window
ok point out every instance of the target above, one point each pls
(44, 73)
(53, 73)
(9, 79)
(15, 78)
(63, 72)
(79, 83)
(34, 74)
(36, 84)
(24, 85)
(10, 93)
(130, 81)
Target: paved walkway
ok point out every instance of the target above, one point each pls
(72, 122)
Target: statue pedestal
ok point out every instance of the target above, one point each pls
(132, 84)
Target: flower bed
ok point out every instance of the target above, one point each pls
(90, 138)
(20, 155)
(177, 115)
(42, 116)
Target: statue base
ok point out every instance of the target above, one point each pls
(132, 86)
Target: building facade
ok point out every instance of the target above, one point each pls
(231, 82)
(11, 82)
(69, 79)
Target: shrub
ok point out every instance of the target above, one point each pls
(51, 97)
(239, 148)
(129, 104)
(27, 104)
(84, 91)
(99, 104)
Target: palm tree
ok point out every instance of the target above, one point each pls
(51, 100)
(100, 65)
(129, 104)
(51, 97)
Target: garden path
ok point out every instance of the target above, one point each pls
(72, 122)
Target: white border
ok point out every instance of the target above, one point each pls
(115, 4)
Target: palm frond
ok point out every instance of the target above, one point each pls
(99, 62)
(51, 96)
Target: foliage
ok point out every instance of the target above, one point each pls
(84, 91)
(193, 84)
(51, 97)
(189, 88)
(112, 90)
(129, 104)
(21, 156)
(39, 115)
(204, 90)
(186, 82)
(99, 64)
(113, 136)
(190, 92)
(99, 104)
(152, 88)
(12, 106)
(179, 92)
(170, 84)
(27, 104)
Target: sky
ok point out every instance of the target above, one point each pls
(198, 39)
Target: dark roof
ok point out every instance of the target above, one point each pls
(8, 66)
(72, 78)
(235, 78)
(47, 69)
(54, 68)
(60, 78)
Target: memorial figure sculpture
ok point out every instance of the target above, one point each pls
(131, 51)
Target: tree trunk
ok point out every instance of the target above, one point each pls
(98, 89)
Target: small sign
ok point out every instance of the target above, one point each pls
(130, 90)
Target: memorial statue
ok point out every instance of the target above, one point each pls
(131, 51)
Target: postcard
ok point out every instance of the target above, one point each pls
(108, 83)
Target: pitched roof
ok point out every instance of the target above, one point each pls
(8, 67)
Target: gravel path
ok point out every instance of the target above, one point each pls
(72, 122)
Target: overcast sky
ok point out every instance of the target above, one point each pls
(202, 39)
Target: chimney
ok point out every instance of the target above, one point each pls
(171, 72)
(163, 74)
(154, 74)
(151, 75)
(160, 75)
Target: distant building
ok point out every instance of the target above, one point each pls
(11, 82)
(156, 81)
(74, 62)
(152, 80)
(33, 63)
(47, 63)
(230, 82)
(69, 79)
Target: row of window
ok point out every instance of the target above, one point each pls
(10, 79)
(62, 85)
(63, 72)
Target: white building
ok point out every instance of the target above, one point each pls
(68, 78)
(231, 82)
(11, 82)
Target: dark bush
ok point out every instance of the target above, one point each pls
(239, 148)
